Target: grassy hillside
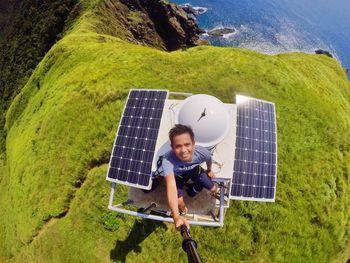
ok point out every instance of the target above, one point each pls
(61, 129)
(28, 29)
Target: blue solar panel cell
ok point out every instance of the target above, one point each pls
(237, 190)
(132, 156)
(254, 172)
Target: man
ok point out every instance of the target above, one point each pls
(179, 165)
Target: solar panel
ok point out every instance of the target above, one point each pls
(255, 165)
(133, 150)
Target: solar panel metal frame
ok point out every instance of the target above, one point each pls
(235, 197)
(115, 140)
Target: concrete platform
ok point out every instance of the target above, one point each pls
(202, 204)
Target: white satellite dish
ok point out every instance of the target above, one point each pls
(207, 116)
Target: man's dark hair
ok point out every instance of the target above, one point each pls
(179, 129)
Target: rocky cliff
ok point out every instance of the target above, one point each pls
(29, 28)
(154, 23)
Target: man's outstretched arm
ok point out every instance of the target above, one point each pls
(173, 204)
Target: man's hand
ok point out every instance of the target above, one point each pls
(179, 221)
(211, 174)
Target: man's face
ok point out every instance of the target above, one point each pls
(183, 147)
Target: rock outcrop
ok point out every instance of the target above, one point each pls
(323, 52)
(220, 32)
(193, 10)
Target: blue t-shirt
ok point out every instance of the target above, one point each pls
(173, 165)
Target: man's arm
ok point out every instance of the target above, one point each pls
(206, 157)
(173, 202)
(209, 171)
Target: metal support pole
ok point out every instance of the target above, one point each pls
(222, 200)
(180, 94)
(144, 210)
(111, 196)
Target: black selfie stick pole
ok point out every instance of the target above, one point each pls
(189, 246)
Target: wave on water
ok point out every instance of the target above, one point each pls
(286, 37)
(198, 10)
(273, 27)
(231, 35)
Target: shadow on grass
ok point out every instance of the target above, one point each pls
(140, 231)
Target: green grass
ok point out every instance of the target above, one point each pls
(61, 129)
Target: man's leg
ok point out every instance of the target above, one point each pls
(203, 180)
(196, 187)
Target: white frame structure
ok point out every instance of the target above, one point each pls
(119, 208)
(226, 158)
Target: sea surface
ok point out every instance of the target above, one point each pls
(278, 26)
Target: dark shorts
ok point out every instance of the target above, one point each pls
(198, 176)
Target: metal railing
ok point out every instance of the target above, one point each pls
(141, 213)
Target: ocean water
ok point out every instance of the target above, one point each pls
(278, 26)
